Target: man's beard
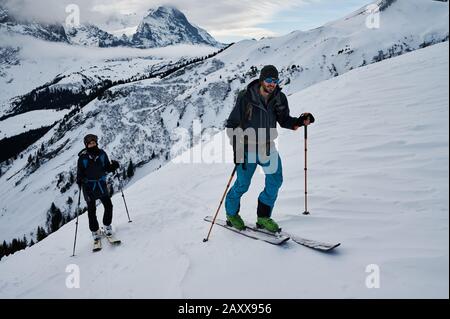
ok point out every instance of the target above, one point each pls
(268, 90)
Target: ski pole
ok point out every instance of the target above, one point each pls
(306, 212)
(123, 197)
(76, 223)
(220, 205)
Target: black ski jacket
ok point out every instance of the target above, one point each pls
(251, 111)
(91, 173)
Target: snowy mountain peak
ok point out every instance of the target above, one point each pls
(164, 11)
(167, 26)
(91, 35)
(161, 27)
(49, 32)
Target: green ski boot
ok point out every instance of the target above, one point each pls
(235, 221)
(268, 223)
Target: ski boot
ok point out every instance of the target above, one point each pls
(235, 221)
(97, 235)
(268, 224)
(108, 230)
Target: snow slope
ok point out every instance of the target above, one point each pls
(36, 62)
(378, 160)
(137, 120)
(29, 121)
(346, 43)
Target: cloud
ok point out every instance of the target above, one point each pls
(255, 33)
(221, 18)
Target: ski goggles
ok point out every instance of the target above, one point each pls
(272, 80)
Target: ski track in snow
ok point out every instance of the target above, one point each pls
(378, 182)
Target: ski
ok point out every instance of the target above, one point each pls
(252, 232)
(97, 245)
(314, 244)
(113, 240)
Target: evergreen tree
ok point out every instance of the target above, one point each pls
(54, 218)
(2, 250)
(37, 162)
(15, 246)
(71, 178)
(40, 234)
(5, 248)
(130, 169)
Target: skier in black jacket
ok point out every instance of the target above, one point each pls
(251, 127)
(93, 165)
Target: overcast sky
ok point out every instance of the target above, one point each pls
(226, 20)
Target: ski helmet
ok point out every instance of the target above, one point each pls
(89, 138)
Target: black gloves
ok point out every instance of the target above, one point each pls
(305, 116)
(114, 166)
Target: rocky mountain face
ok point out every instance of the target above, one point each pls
(161, 27)
(167, 26)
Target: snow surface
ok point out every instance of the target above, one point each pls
(378, 182)
(29, 121)
(147, 112)
(41, 61)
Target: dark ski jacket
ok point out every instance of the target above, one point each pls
(91, 173)
(251, 111)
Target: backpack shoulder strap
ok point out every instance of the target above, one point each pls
(247, 110)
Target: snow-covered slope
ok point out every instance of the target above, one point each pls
(167, 26)
(132, 114)
(27, 63)
(345, 44)
(29, 121)
(137, 120)
(378, 160)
